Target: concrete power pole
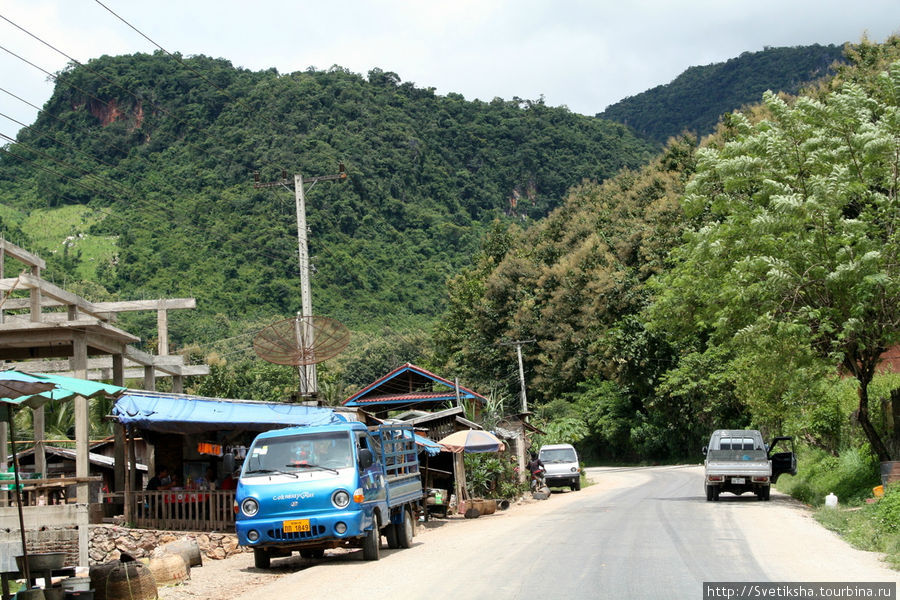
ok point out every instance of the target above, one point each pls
(309, 386)
(518, 345)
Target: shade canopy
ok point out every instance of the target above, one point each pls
(186, 414)
(18, 388)
(472, 441)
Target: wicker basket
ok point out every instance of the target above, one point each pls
(131, 581)
(98, 574)
(168, 569)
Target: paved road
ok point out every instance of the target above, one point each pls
(638, 533)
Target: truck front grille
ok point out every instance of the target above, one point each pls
(279, 534)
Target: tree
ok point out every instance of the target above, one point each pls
(798, 233)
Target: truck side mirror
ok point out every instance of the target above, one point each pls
(364, 458)
(703, 450)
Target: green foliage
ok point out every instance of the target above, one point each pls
(492, 476)
(695, 100)
(887, 510)
(794, 258)
(850, 476)
(165, 175)
(874, 527)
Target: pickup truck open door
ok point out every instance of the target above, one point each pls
(784, 462)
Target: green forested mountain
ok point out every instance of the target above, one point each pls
(161, 152)
(696, 99)
(719, 286)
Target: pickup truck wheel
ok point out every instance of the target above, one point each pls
(390, 534)
(405, 530)
(715, 493)
(261, 558)
(372, 544)
(764, 493)
(577, 486)
(709, 493)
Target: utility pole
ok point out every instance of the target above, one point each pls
(518, 345)
(309, 386)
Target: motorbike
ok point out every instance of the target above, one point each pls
(538, 482)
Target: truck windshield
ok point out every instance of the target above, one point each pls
(558, 455)
(298, 452)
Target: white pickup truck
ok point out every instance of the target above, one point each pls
(738, 461)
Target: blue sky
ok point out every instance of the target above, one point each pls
(577, 53)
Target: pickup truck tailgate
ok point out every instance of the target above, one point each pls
(749, 468)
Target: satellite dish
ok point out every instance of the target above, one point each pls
(301, 340)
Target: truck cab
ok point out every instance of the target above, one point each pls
(308, 489)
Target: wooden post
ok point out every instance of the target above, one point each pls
(129, 476)
(4, 452)
(40, 453)
(119, 467)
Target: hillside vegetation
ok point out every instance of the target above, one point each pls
(694, 101)
(719, 286)
(158, 156)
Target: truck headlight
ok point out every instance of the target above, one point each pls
(250, 507)
(340, 498)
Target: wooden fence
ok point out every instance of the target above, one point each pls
(187, 510)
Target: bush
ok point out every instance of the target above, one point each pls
(850, 476)
(887, 510)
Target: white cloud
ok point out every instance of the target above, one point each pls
(581, 53)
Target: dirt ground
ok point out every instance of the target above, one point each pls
(233, 576)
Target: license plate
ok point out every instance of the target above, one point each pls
(738, 480)
(298, 526)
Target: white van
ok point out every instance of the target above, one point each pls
(561, 464)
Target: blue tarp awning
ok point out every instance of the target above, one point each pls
(182, 413)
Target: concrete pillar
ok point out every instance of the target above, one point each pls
(149, 378)
(82, 425)
(118, 370)
(178, 384)
(36, 297)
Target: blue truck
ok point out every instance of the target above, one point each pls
(308, 489)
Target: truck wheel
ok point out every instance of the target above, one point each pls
(709, 493)
(261, 558)
(763, 493)
(715, 493)
(390, 534)
(405, 530)
(577, 485)
(372, 543)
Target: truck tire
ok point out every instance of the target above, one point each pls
(372, 543)
(405, 530)
(577, 485)
(390, 534)
(261, 558)
(709, 493)
(763, 493)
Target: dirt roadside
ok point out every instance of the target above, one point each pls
(236, 576)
